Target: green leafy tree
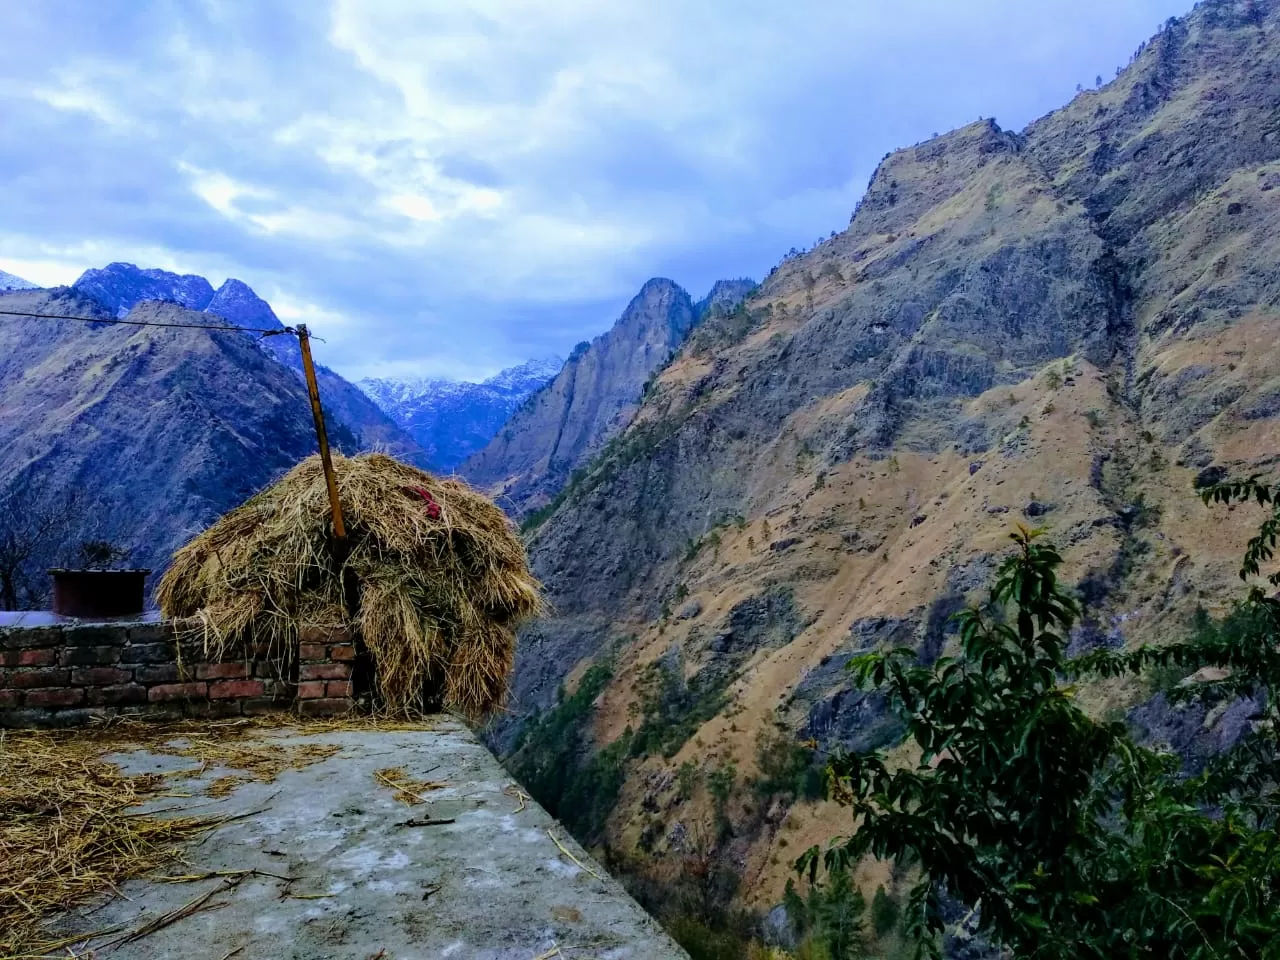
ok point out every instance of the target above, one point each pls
(1068, 838)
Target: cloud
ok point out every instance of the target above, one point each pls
(448, 187)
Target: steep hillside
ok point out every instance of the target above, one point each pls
(1065, 327)
(724, 297)
(452, 419)
(165, 429)
(593, 398)
(119, 287)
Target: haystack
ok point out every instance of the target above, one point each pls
(432, 576)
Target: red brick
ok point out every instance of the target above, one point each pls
(150, 652)
(37, 658)
(87, 636)
(176, 691)
(57, 697)
(313, 651)
(36, 678)
(21, 639)
(117, 696)
(337, 688)
(325, 708)
(89, 656)
(324, 671)
(318, 634)
(222, 671)
(342, 651)
(160, 673)
(100, 676)
(228, 689)
(149, 632)
(311, 690)
(8, 698)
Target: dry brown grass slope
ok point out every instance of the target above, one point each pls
(1063, 327)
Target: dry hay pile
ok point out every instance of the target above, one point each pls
(436, 573)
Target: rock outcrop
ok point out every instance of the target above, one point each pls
(593, 399)
(119, 286)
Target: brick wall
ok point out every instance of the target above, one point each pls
(69, 673)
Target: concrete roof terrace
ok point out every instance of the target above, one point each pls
(394, 842)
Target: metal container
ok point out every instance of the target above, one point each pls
(94, 594)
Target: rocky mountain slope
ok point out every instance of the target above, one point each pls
(453, 419)
(1066, 326)
(163, 430)
(9, 282)
(593, 398)
(119, 287)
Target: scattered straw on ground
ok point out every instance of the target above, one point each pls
(67, 833)
(68, 830)
(408, 790)
(436, 572)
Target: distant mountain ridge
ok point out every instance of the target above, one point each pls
(9, 282)
(121, 287)
(164, 429)
(452, 419)
(594, 397)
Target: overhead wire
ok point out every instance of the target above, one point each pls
(265, 331)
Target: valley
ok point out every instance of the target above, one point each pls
(1072, 328)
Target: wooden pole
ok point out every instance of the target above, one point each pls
(313, 390)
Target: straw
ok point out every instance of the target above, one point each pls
(433, 578)
(67, 828)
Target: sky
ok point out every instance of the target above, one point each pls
(449, 187)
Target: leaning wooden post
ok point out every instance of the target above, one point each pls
(313, 389)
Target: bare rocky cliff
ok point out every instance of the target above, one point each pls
(1066, 326)
(592, 399)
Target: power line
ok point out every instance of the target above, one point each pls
(265, 331)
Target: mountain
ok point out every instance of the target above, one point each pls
(236, 302)
(452, 419)
(724, 297)
(162, 429)
(591, 400)
(120, 287)
(1067, 326)
(9, 282)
